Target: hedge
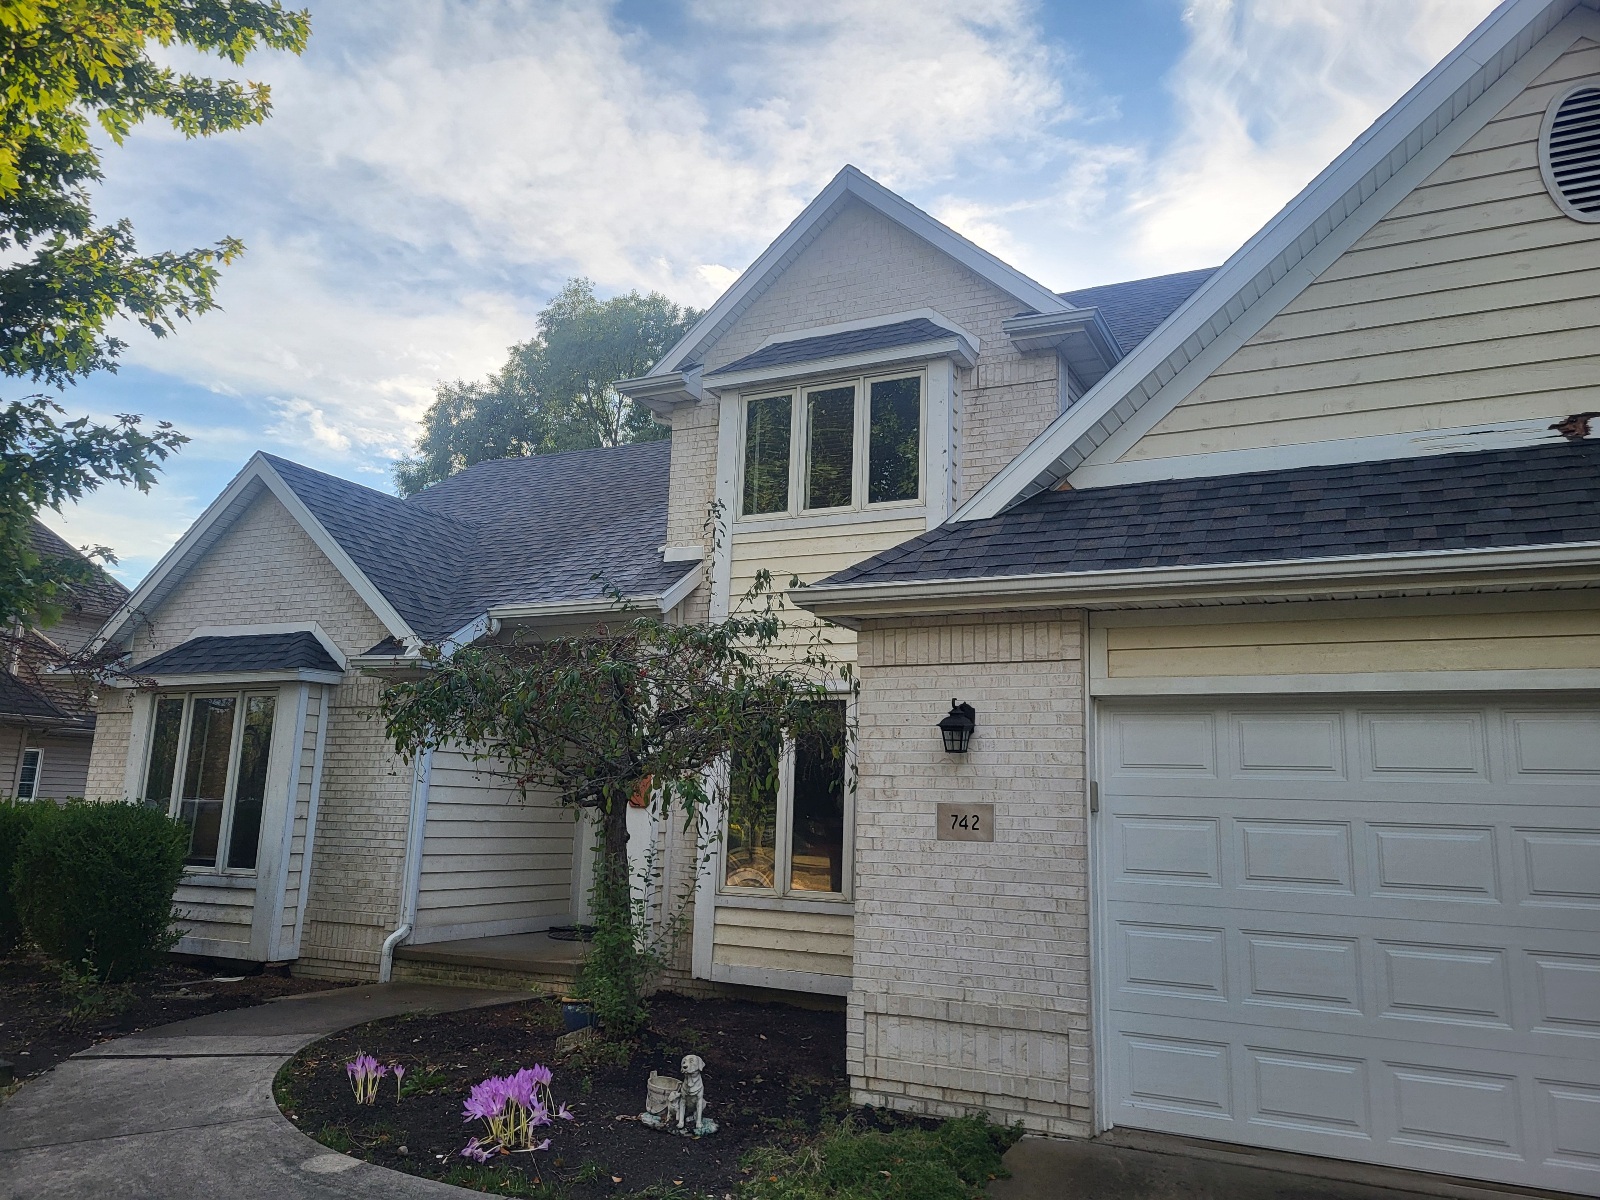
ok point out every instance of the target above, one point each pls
(93, 884)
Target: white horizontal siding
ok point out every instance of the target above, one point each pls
(1475, 301)
(492, 861)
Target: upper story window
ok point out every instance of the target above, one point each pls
(834, 447)
(208, 768)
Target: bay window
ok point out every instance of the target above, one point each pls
(838, 446)
(208, 768)
(788, 820)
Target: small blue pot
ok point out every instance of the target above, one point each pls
(576, 1014)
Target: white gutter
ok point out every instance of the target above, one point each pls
(1567, 562)
(411, 878)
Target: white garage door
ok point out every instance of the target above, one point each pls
(1367, 931)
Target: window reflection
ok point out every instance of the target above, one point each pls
(816, 862)
(751, 847)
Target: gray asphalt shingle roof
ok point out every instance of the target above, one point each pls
(1492, 499)
(17, 699)
(242, 654)
(831, 345)
(98, 595)
(1134, 309)
(512, 531)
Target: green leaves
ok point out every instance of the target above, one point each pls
(67, 68)
(555, 392)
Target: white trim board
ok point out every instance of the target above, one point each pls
(1433, 120)
(847, 184)
(1408, 682)
(785, 981)
(1564, 564)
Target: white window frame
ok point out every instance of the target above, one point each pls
(861, 463)
(38, 772)
(783, 850)
(230, 797)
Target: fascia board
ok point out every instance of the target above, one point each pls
(851, 182)
(1565, 563)
(954, 347)
(679, 592)
(233, 678)
(1277, 239)
(662, 393)
(558, 609)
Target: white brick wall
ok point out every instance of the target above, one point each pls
(971, 985)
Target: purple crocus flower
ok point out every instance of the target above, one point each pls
(474, 1150)
(565, 1113)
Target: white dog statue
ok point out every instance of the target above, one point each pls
(691, 1095)
(669, 1103)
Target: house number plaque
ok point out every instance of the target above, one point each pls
(966, 822)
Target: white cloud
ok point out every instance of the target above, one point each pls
(1270, 92)
(435, 168)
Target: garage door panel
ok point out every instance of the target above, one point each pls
(1368, 931)
(1504, 1116)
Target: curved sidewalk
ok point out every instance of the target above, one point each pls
(185, 1111)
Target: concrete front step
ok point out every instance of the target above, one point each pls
(532, 962)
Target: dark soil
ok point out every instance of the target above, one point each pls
(40, 1024)
(774, 1076)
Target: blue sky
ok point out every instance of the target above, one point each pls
(436, 168)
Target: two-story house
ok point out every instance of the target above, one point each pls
(1272, 590)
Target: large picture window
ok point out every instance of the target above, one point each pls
(208, 767)
(840, 446)
(788, 822)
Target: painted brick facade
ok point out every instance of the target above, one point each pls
(265, 571)
(971, 984)
(360, 846)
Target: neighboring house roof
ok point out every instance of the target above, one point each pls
(831, 345)
(1134, 309)
(1400, 149)
(1533, 496)
(100, 595)
(242, 654)
(19, 701)
(515, 532)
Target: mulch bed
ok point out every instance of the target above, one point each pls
(38, 1027)
(774, 1075)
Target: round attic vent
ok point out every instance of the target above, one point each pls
(1569, 151)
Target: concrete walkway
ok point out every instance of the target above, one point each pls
(185, 1111)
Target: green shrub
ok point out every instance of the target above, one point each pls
(955, 1161)
(93, 885)
(16, 818)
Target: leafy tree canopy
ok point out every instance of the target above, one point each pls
(555, 391)
(71, 69)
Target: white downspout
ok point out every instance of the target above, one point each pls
(411, 880)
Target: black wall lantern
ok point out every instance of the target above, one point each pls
(956, 729)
